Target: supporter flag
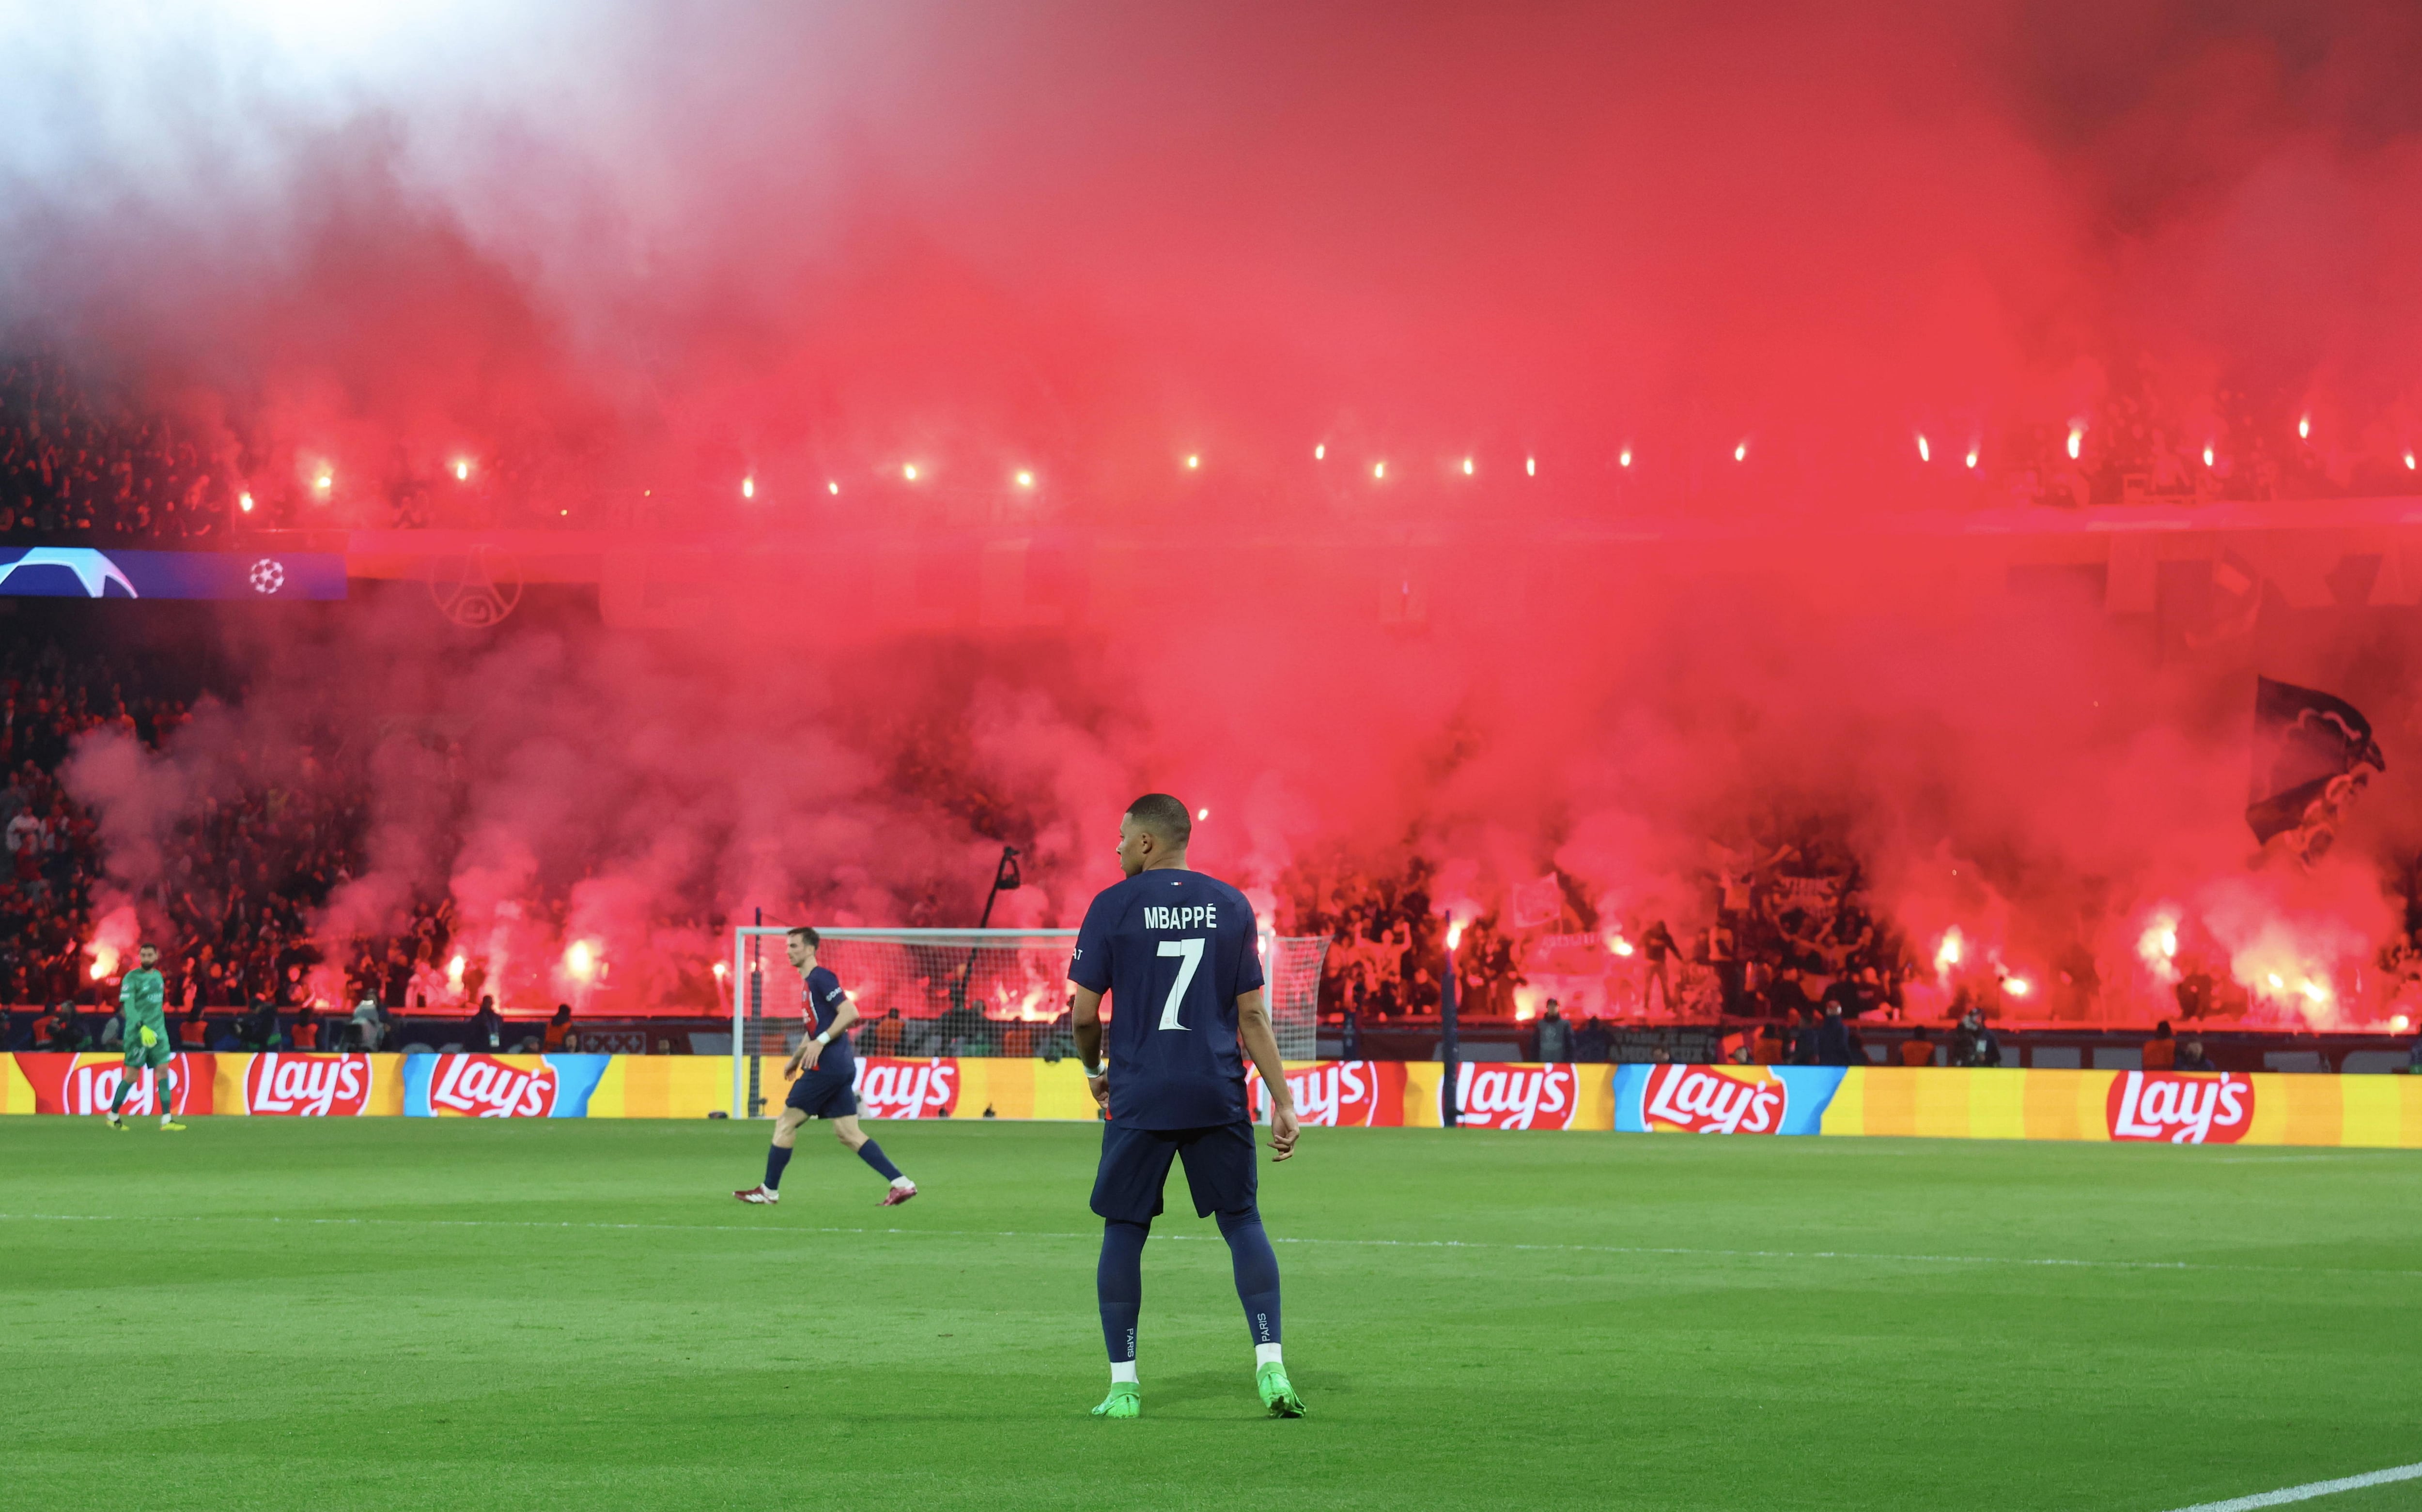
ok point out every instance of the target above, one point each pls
(2313, 753)
(1538, 902)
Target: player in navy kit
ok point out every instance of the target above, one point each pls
(1176, 951)
(829, 1087)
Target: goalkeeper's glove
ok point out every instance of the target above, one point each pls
(149, 1038)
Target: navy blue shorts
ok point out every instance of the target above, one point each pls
(1135, 1166)
(822, 1093)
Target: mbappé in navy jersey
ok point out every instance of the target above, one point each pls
(822, 997)
(1173, 949)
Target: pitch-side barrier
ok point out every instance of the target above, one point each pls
(2143, 1106)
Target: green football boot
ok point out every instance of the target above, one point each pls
(1277, 1392)
(1125, 1401)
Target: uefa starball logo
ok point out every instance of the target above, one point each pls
(907, 1089)
(1331, 1095)
(308, 1086)
(483, 1086)
(1698, 1099)
(1515, 1096)
(2180, 1107)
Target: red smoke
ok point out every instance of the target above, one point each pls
(625, 258)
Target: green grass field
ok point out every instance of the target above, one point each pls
(390, 1314)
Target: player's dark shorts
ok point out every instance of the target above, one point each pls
(822, 1093)
(156, 1056)
(1135, 1166)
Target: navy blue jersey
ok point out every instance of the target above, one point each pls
(822, 997)
(1173, 949)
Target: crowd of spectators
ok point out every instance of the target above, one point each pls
(83, 459)
(1791, 933)
(73, 466)
(244, 874)
(47, 699)
(241, 876)
(2133, 448)
(1788, 934)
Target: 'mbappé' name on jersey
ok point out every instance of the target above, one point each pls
(1197, 916)
(1173, 949)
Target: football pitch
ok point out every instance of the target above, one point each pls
(390, 1314)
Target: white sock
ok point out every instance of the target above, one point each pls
(901, 1181)
(1123, 1370)
(1264, 1354)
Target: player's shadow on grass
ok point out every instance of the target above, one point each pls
(1218, 1386)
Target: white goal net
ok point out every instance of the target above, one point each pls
(952, 992)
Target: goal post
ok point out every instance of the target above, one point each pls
(918, 991)
(971, 992)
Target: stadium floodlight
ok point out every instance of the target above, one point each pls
(963, 986)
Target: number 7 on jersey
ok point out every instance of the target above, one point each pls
(1191, 950)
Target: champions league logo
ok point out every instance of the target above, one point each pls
(93, 570)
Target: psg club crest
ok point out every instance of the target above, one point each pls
(477, 589)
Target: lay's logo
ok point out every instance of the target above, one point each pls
(1337, 1093)
(907, 1089)
(487, 1086)
(1701, 1099)
(2180, 1107)
(81, 1085)
(308, 1086)
(1515, 1096)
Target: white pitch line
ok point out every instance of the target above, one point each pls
(1207, 1238)
(2308, 1491)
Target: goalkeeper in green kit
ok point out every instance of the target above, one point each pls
(140, 996)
